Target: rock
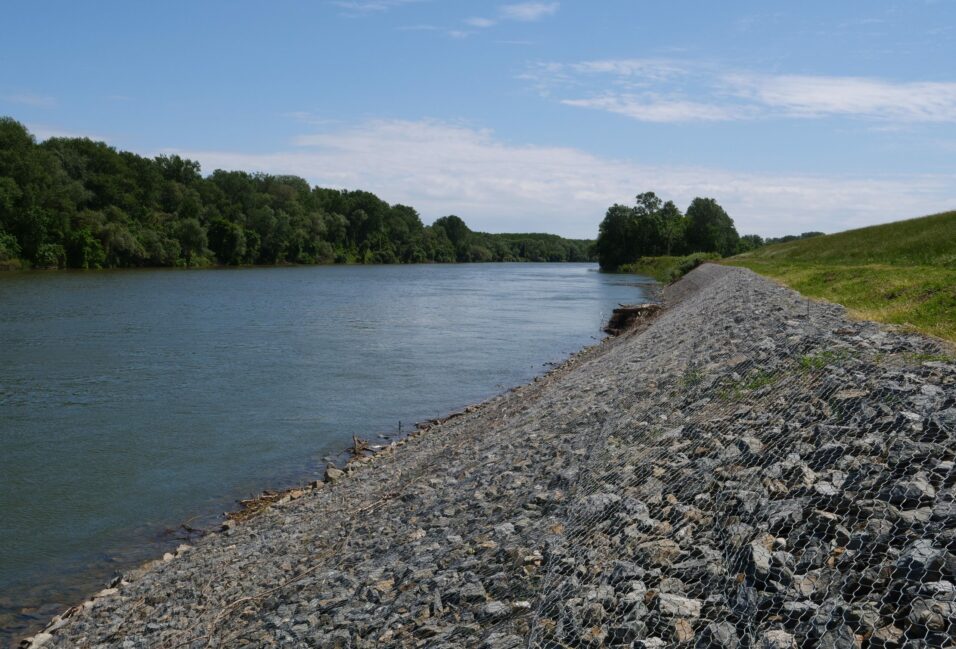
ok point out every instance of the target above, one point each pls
(758, 560)
(912, 493)
(472, 592)
(718, 635)
(777, 639)
(921, 561)
(678, 606)
(333, 474)
(494, 610)
(40, 640)
(932, 614)
(503, 641)
(658, 553)
(596, 506)
(683, 632)
(887, 636)
(839, 638)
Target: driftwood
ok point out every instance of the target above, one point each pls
(626, 316)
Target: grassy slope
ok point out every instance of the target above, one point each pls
(666, 268)
(899, 273)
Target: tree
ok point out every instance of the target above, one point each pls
(615, 235)
(227, 241)
(749, 242)
(192, 238)
(709, 228)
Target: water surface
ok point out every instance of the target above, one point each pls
(133, 401)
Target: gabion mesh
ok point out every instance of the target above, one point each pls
(786, 490)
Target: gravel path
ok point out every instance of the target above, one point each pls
(734, 473)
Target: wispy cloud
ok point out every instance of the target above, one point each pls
(528, 11)
(449, 167)
(31, 99)
(658, 90)
(480, 22)
(819, 96)
(650, 109)
(45, 132)
(359, 7)
(522, 12)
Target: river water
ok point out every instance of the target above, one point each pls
(133, 401)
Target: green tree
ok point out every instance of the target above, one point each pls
(710, 228)
(192, 239)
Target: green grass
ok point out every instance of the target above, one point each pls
(667, 269)
(899, 273)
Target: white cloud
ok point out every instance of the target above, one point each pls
(651, 109)
(480, 22)
(45, 132)
(443, 168)
(31, 99)
(818, 96)
(528, 11)
(658, 90)
(359, 7)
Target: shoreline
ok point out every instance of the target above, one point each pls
(247, 509)
(659, 488)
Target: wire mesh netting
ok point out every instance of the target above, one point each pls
(782, 488)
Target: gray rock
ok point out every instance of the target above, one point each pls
(494, 610)
(717, 635)
(841, 637)
(333, 474)
(677, 606)
(777, 639)
(921, 561)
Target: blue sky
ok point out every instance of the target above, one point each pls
(519, 116)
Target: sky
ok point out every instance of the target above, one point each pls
(519, 116)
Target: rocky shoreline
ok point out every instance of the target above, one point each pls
(744, 469)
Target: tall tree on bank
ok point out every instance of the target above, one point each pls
(710, 228)
(653, 228)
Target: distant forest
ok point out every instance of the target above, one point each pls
(654, 228)
(76, 203)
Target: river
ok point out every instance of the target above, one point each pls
(134, 401)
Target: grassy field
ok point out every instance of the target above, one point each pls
(900, 273)
(667, 269)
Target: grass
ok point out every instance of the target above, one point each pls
(667, 269)
(900, 273)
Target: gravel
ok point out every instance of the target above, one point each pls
(732, 473)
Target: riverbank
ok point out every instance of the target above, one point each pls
(740, 469)
(901, 273)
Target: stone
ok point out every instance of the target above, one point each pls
(333, 474)
(886, 637)
(717, 635)
(932, 614)
(777, 639)
(841, 637)
(912, 493)
(472, 592)
(683, 631)
(677, 606)
(596, 506)
(758, 560)
(921, 561)
(494, 610)
(658, 553)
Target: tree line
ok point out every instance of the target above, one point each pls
(653, 228)
(77, 203)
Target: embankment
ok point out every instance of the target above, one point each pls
(744, 470)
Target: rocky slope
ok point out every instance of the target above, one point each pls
(745, 470)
